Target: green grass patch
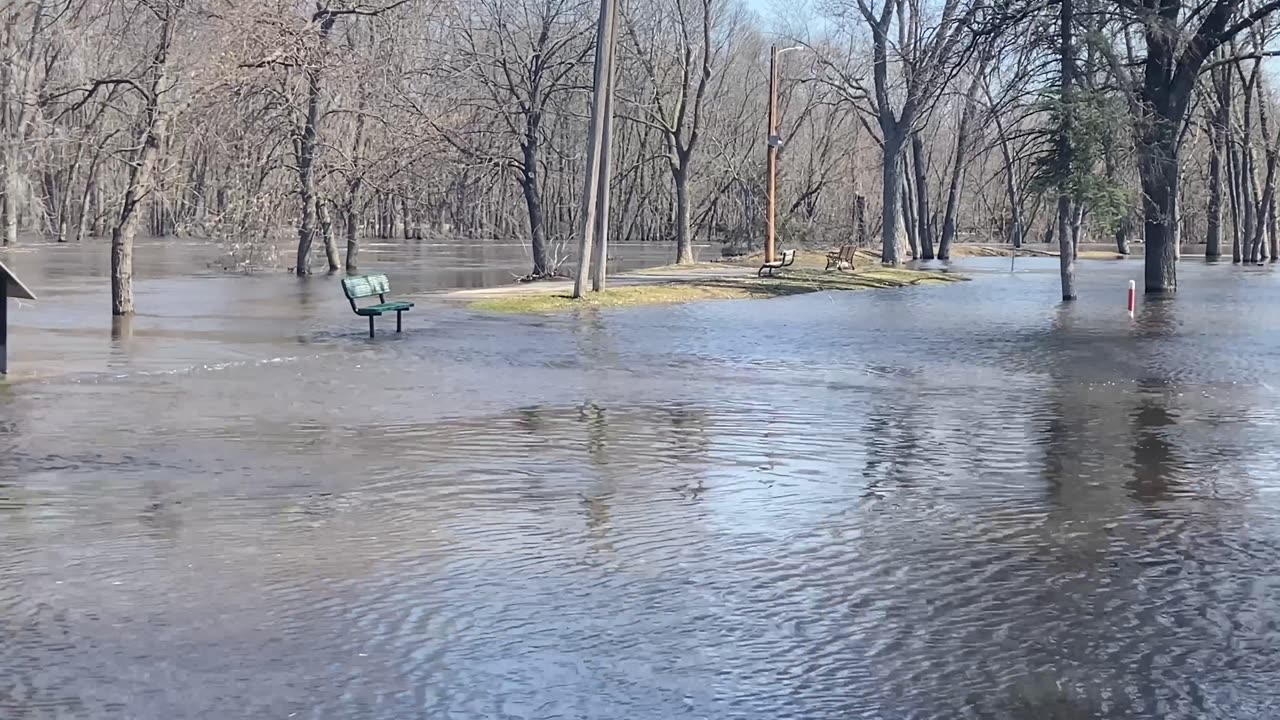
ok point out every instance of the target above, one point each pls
(785, 282)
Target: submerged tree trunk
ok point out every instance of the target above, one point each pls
(353, 243)
(1066, 249)
(141, 169)
(1017, 228)
(909, 222)
(352, 212)
(306, 175)
(326, 231)
(923, 217)
(1218, 147)
(307, 155)
(1233, 180)
(891, 186)
(957, 171)
(1160, 213)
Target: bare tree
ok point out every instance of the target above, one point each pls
(523, 56)
(679, 44)
(914, 57)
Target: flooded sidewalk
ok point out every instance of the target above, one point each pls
(933, 502)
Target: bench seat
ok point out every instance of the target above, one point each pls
(787, 258)
(384, 308)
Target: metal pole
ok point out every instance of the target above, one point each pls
(4, 325)
(770, 240)
(606, 161)
(594, 136)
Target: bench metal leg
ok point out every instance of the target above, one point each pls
(370, 326)
(398, 313)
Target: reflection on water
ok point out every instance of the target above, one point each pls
(942, 502)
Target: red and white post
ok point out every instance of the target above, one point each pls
(1133, 296)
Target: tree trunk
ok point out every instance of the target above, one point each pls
(957, 171)
(860, 219)
(1218, 146)
(1017, 227)
(9, 137)
(306, 174)
(1077, 228)
(891, 188)
(148, 142)
(326, 231)
(9, 203)
(1273, 230)
(307, 158)
(1234, 180)
(355, 187)
(533, 203)
(923, 217)
(909, 222)
(1160, 213)
(126, 228)
(684, 234)
(84, 223)
(1066, 248)
(353, 242)
(1122, 236)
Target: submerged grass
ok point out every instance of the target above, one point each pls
(729, 287)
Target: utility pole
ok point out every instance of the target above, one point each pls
(771, 160)
(606, 163)
(595, 137)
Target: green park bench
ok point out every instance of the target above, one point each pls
(362, 286)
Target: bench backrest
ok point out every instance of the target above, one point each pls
(789, 256)
(847, 253)
(363, 286)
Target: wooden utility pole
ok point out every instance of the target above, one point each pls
(771, 160)
(595, 138)
(606, 163)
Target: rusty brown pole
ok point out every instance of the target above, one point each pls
(771, 162)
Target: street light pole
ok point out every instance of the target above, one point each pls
(771, 161)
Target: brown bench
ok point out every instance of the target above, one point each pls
(842, 258)
(787, 258)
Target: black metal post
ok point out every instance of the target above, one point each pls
(4, 326)
(370, 326)
(398, 314)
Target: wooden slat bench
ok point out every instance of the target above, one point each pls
(787, 258)
(358, 287)
(841, 259)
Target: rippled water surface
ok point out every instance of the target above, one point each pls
(941, 502)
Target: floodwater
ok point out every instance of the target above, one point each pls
(942, 502)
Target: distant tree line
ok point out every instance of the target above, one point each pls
(908, 125)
